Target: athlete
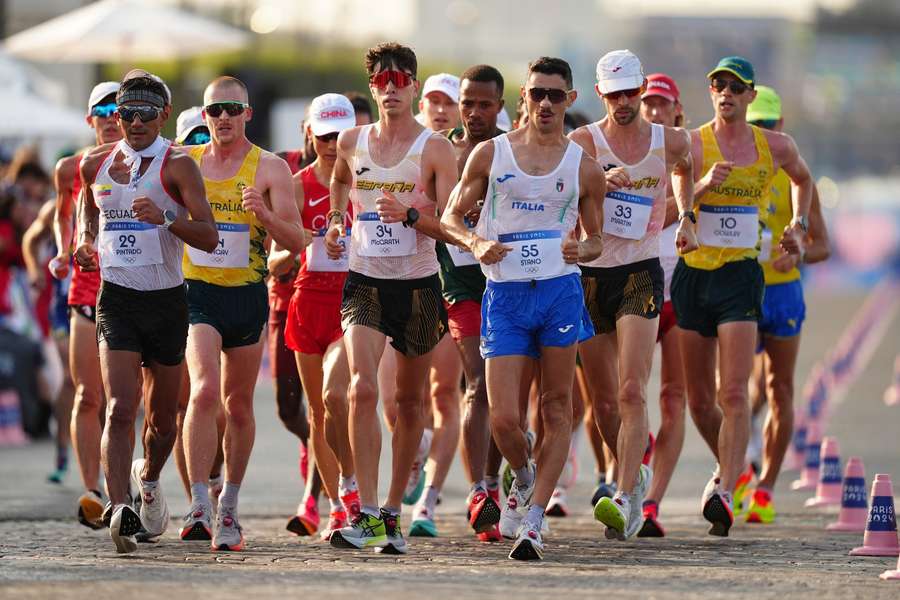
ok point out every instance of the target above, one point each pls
(535, 184)
(717, 290)
(313, 329)
(439, 106)
(624, 287)
(661, 104)
(138, 194)
(84, 360)
(783, 312)
(250, 193)
(397, 174)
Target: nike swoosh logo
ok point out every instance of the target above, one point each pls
(318, 200)
(566, 328)
(361, 170)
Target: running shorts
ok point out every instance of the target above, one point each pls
(518, 318)
(666, 320)
(610, 293)
(704, 299)
(88, 311)
(151, 323)
(313, 321)
(281, 358)
(783, 309)
(238, 313)
(409, 311)
(463, 319)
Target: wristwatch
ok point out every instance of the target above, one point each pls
(169, 217)
(689, 214)
(803, 222)
(412, 216)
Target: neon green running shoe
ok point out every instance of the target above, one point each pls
(761, 509)
(365, 531)
(742, 490)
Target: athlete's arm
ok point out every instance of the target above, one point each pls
(786, 156)
(678, 155)
(818, 246)
(592, 187)
(63, 218)
(200, 230)
(714, 176)
(38, 231)
(339, 191)
(281, 261)
(88, 212)
(471, 189)
(282, 221)
(582, 136)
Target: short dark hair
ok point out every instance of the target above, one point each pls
(360, 103)
(552, 66)
(484, 74)
(33, 170)
(144, 84)
(391, 54)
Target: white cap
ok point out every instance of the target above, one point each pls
(188, 120)
(619, 70)
(101, 91)
(503, 122)
(444, 83)
(330, 113)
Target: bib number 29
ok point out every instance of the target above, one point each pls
(127, 241)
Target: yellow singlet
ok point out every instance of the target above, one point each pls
(780, 213)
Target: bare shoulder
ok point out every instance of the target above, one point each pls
(92, 160)
(481, 157)
(678, 140)
(65, 168)
(781, 145)
(583, 137)
(347, 139)
(272, 163)
(437, 143)
(590, 168)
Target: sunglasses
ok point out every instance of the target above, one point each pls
(614, 96)
(555, 95)
(145, 112)
(232, 108)
(197, 138)
(736, 87)
(400, 79)
(328, 137)
(103, 110)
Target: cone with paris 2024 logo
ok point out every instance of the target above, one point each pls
(854, 503)
(880, 538)
(828, 491)
(809, 474)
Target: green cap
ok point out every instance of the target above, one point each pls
(766, 106)
(738, 66)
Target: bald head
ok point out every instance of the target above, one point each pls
(225, 89)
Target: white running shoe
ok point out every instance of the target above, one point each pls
(154, 510)
(229, 535)
(529, 544)
(123, 526)
(516, 507)
(636, 516)
(198, 523)
(615, 513)
(712, 488)
(559, 503)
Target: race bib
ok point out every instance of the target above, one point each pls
(383, 239)
(765, 246)
(626, 215)
(729, 226)
(317, 258)
(535, 255)
(232, 251)
(460, 256)
(130, 244)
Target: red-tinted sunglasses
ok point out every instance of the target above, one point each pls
(400, 79)
(627, 93)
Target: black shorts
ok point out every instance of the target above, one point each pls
(88, 311)
(238, 313)
(409, 311)
(151, 323)
(703, 299)
(613, 292)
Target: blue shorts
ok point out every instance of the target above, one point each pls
(783, 309)
(59, 307)
(520, 317)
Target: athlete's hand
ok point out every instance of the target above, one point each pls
(474, 213)
(489, 252)
(59, 266)
(792, 239)
(617, 178)
(785, 262)
(146, 211)
(686, 237)
(717, 173)
(389, 209)
(571, 249)
(86, 257)
(333, 246)
(253, 201)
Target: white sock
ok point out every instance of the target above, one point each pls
(431, 498)
(229, 496)
(424, 445)
(199, 493)
(348, 484)
(335, 505)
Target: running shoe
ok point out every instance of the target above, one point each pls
(559, 503)
(717, 508)
(742, 490)
(490, 536)
(641, 488)
(306, 521)
(516, 506)
(351, 503)
(229, 536)
(304, 462)
(90, 509)
(364, 531)
(124, 524)
(336, 520)
(603, 490)
(648, 451)
(106, 518)
(528, 545)
(614, 513)
(58, 474)
(761, 509)
(154, 510)
(423, 523)
(416, 482)
(483, 511)
(198, 524)
(507, 479)
(394, 540)
(651, 526)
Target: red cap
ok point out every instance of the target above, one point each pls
(660, 84)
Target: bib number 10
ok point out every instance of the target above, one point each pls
(727, 222)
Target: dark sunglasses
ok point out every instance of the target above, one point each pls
(555, 95)
(627, 93)
(196, 138)
(232, 108)
(398, 78)
(103, 110)
(145, 112)
(328, 137)
(736, 87)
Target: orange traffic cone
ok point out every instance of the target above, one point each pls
(880, 538)
(809, 475)
(11, 433)
(854, 504)
(828, 491)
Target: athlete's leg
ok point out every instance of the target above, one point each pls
(387, 385)
(782, 359)
(311, 375)
(670, 438)
(737, 341)
(84, 364)
(557, 366)
(476, 429)
(184, 393)
(123, 390)
(240, 366)
(337, 381)
(600, 358)
(62, 408)
(504, 382)
(699, 356)
(445, 375)
(161, 406)
(288, 393)
(204, 345)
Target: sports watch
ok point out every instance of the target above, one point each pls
(689, 214)
(412, 217)
(803, 222)
(169, 217)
